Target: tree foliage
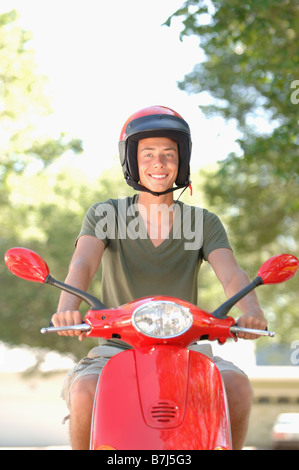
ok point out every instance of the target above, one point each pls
(250, 75)
(28, 216)
(23, 106)
(45, 214)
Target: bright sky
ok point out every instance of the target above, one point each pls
(107, 59)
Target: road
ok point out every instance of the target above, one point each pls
(31, 412)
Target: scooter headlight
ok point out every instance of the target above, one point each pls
(162, 319)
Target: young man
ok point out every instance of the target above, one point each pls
(149, 244)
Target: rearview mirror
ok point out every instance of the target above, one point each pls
(26, 264)
(278, 269)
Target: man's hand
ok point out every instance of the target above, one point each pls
(233, 279)
(69, 318)
(254, 320)
(84, 264)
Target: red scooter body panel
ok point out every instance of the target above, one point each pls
(158, 397)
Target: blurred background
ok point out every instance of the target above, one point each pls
(71, 73)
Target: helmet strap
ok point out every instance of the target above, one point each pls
(139, 187)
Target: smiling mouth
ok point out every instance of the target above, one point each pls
(158, 177)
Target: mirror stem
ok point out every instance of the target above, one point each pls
(222, 311)
(92, 301)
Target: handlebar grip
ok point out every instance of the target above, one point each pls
(84, 327)
(238, 329)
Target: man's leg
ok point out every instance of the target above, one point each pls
(81, 405)
(239, 397)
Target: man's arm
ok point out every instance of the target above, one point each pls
(233, 279)
(84, 265)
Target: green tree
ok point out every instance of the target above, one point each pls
(250, 75)
(23, 107)
(46, 214)
(24, 146)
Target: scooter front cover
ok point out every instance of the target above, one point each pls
(160, 398)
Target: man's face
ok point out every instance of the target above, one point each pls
(158, 163)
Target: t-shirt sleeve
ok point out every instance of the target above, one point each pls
(95, 223)
(214, 234)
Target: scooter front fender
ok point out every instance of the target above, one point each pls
(160, 397)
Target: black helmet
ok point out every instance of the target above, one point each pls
(155, 121)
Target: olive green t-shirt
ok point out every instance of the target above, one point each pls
(132, 267)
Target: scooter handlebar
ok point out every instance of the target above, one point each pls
(238, 329)
(84, 327)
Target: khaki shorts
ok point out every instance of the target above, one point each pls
(98, 357)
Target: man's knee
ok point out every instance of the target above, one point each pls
(83, 391)
(238, 389)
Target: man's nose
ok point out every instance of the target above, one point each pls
(159, 161)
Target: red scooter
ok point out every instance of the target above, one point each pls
(159, 395)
